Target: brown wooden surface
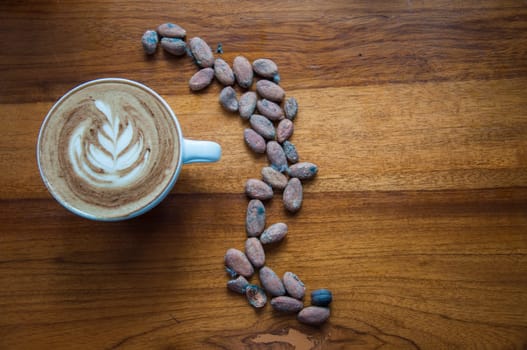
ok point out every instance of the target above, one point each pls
(415, 112)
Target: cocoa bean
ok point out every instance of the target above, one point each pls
(201, 79)
(175, 46)
(254, 140)
(243, 72)
(303, 171)
(274, 178)
(276, 156)
(150, 41)
(290, 152)
(223, 72)
(269, 90)
(255, 218)
(291, 108)
(257, 189)
(274, 233)
(293, 285)
(271, 282)
(321, 297)
(293, 195)
(313, 315)
(263, 126)
(201, 52)
(171, 30)
(255, 252)
(270, 109)
(265, 67)
(247, 104)
(286, 304)
(228, 99)
(238, 284)
(284, 130)
(237, 261)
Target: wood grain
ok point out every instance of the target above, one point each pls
(415, 112)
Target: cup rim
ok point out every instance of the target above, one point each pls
(144, 208)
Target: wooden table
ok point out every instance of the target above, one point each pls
(415, 112)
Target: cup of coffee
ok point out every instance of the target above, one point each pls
(111, 149)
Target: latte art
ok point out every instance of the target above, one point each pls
(109, 148)
(111, 156)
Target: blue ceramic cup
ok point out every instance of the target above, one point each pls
(112, 149)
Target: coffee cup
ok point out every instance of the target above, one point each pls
(112, 149)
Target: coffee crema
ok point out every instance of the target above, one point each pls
(108, 148)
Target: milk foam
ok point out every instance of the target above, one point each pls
(116, 156)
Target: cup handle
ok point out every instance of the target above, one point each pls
(195, 151)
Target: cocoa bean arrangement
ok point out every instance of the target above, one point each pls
(270, 115)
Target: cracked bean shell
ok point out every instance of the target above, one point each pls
(243, 72)
(201, 79)
(150, 41)
(255, 296)
(271, 282)
(274, 233)
(238, 284)
(255, 252)
(237, 261)
(171, 30)
(269, 90)
(223, 72)
(255, 218)
(231, 272)
(201, 52)
(274, 178)
(286, 304)
(174, 46)
(263, 126)
(254, 140)
(284, 130)
(290, 108)
(276, 156)
(293, 195)
(257, 189)
(303, 171)
(294, 286)
(313, 315)
(265, 67)
(228, 99)
(247, 104)
(270, 109)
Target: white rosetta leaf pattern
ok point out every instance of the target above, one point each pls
(105, 109)
(105, 142)
(107, 128)
(115, 156)
(128, 158)
(115, 144)
(124, 140)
